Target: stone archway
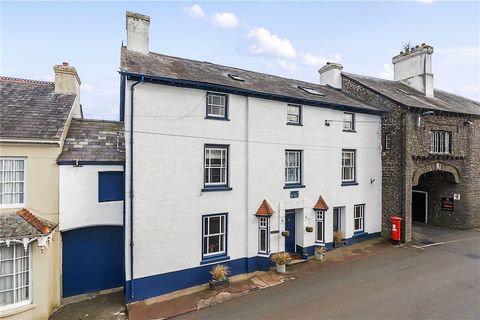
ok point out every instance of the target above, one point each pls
(437, 166)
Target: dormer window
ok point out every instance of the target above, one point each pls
(217, 106)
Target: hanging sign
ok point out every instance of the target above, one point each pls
(447, 204)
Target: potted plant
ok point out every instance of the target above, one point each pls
(219, 274)
(285, 233)
(305, 254)
(320, 253)
(338, 239)
(309, 229)
(281, 259)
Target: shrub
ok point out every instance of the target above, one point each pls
(220, 272)
(319, 250)
(281, 258)
(337, 236)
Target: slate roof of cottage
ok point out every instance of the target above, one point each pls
(94, 140)
(408, 96)
(159, 65)
(32, 110)
(23, 224)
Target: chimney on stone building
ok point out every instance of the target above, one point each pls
(137, 32)
(414, 68)
(331, 74)
(66, 79)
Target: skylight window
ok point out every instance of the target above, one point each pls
(235, 77)
(311, 91)
(403, 91)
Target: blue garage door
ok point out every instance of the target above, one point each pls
(92, 259)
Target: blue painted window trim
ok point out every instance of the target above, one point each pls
(221, 256)
(359, 232)
(207, 116)
(105, 181)
(295, 185)
(354, 182)
(300, 115)
(217, 187)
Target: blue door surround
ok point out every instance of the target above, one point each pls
(290, 227)
(92, 259)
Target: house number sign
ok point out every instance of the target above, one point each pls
(293, 194)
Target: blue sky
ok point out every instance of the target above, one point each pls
(291, 39)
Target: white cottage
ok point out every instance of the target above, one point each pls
(221, 161)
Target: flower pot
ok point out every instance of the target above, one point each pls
(281, 268)
(320, 256)
(215, 284)
(305, 257)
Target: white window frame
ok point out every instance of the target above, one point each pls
(320, 223)
(351, 168)
(2, 182)
(360, 217)
(206, 234)
(348, 124)
(207, 167)
(295, 165)
(263, 225)
(223, 105)
(440, 142)
(30, 293)
(291, 113)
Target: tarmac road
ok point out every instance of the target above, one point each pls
(437, 279)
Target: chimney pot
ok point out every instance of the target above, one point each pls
(65, 64)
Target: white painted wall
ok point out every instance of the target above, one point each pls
(170, 134)
(79, 206)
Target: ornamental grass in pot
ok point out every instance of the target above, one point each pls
(338, 239)
(320, 253)
(219, 275)
(281, 259)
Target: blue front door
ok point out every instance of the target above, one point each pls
(290, 227)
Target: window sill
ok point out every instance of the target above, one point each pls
(4, 313)
(214, 259)
(113, 200)
(352, 131)
(293, 186)
(213, 189)
(351, 183)
(217, 118)
(294, 124)
(320, 243)
(359, 233)
(12, 206)
(263, 254)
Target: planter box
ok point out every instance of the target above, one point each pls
(215, 284)
(281, 268)
(320, 257)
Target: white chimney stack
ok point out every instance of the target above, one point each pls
(414, 68)
(137, 32)
(331, 74)
(68, 82)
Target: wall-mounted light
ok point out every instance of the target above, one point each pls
(372, 180)
(468, 123)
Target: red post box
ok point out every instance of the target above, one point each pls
(396, 228)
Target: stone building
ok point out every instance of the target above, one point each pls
(430, 141)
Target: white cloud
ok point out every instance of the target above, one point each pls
(225, 20)
(289, 66)
(269, 44)
(194, 11)
(387, 72)
(311, 59)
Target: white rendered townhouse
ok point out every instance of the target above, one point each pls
(220, 161)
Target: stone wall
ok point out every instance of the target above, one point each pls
(464, 160)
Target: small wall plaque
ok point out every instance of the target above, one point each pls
(456, 196)
(294, 194)
(274, 231)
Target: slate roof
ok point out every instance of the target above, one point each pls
(408, 96)
(265, 209)
(159, 65)
(32, 110)
(22, 224)
(94, 140)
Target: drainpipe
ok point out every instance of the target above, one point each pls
(248, 184)
(132, 91)
(402, 170)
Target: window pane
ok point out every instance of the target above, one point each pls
(214, 225)
(263, 240)
(319, 231)
(214, 244)
(6, 298)
(357, 224)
